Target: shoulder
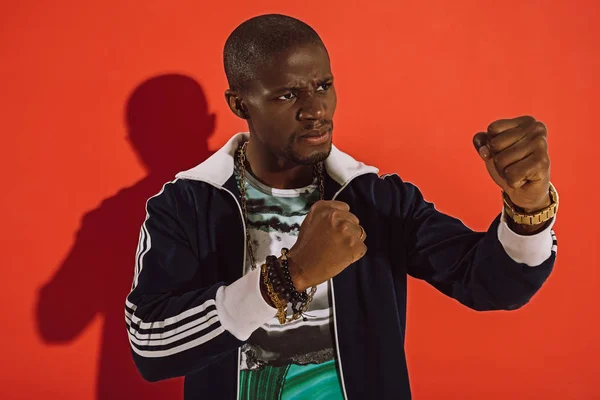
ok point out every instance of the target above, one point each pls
(183, 192)
(382, 184)
(388, 193)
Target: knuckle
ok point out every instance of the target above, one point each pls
(344, 228)
(363, 250)
(540, 127)
(541, 142)
(341, 204)
(333, 217)
(480, 139)
(528, 119)
(492, 127)
(317, 206)
(349, 241)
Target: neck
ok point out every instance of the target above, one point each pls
(276, 171)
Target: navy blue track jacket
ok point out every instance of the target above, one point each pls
(191, 308)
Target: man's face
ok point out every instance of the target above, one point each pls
(291, 105)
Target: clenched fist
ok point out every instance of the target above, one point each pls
(330, 239)
(515, 152)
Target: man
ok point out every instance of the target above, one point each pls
(204, 303)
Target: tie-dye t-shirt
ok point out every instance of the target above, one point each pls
(295, 360)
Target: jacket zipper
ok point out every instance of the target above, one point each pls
(335, 328)
(239, 350)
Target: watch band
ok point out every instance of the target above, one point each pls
(535, 218)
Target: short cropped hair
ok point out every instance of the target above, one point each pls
(258, 40)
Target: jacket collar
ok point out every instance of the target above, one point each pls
(218, 168)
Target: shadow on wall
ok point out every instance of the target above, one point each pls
(168, 126)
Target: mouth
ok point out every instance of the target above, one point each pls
(317, 136)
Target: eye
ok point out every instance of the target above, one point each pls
(324, 87)
(287, 96)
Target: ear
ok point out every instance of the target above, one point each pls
(236, 104)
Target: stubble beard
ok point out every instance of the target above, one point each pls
(313, 159)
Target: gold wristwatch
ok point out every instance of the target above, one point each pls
(535, 218)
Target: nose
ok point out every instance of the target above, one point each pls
(313, 108)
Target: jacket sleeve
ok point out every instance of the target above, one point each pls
(493, 270)
(176, 322)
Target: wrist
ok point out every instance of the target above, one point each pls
(544, 203)
(525, 229)
(534, 216)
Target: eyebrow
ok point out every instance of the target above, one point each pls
(291, 86)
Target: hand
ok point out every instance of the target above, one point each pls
(515, 152)
(330, 239)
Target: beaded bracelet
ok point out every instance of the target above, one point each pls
(277, 278)
(299, 300)
(302, 299)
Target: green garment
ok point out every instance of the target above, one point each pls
(292, 382)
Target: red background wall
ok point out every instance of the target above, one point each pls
(415, 81)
